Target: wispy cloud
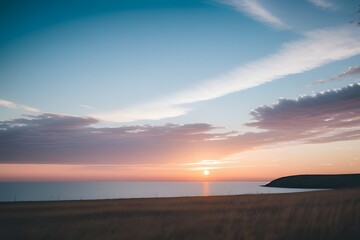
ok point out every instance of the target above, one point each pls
(28, 108)
(325, 4)
(12, 105)
(7, 104)
(49, 138)
(351, 72)
(150, 111)
(257, 11)
(87, 106)
(316, 49)
(206, 162)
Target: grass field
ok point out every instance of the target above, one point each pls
(333, 214)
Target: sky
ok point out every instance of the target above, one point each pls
(162, 90)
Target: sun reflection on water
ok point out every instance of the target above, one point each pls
(205, 189)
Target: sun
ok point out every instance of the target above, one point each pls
(206, 172)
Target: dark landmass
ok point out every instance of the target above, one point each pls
(333, 214)
(317, 181)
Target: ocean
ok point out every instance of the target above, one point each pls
(44, 191)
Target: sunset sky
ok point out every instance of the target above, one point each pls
(161, 90)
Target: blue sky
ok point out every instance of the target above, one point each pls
(132, 63)
(122, 53)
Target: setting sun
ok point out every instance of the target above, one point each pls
(206, 172)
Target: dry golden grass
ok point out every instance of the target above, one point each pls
(331, 214)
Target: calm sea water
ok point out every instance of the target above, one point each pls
(39, 191)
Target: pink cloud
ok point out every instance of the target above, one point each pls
(50, 138)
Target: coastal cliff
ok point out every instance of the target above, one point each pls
(317, 181)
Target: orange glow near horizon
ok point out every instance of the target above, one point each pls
(257, 165)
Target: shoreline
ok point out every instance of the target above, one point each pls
(175, 197)
(21, 192)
